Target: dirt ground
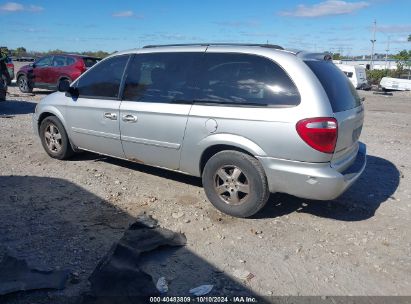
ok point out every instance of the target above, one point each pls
(67, 214)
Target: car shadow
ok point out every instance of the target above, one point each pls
(15, 107)
(176, 176)
(55, 224)
(376, 185)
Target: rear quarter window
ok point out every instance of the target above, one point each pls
(340, 91)
(70, 60)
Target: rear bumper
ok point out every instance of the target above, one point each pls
(312, 180)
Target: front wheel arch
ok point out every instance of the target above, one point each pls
(62, 145)
(46, 114)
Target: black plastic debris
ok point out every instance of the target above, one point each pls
(118, 278)
(16, 275)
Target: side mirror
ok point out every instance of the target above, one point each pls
(64, 86)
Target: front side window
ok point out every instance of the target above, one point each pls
(246, 79)
(44, 62)
(104, 79)
(162, 77)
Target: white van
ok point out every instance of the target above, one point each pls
(356, 74)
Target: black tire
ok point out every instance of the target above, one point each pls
(63, 79)
(3, 89)
(24, 84)
(54, 138)
(252, 179)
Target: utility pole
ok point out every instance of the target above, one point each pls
(386, 52)
(372, 49)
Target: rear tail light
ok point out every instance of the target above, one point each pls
(319, 133)
(10, 65)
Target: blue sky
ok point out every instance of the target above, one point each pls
(334, 25)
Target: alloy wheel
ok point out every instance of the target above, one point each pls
(52, 138)
(232, 185)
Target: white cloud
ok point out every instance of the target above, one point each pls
(11, 7)
(246, 23)
(326, 8)
(17, 7)
(399, 28)
(35, 8)
(124, 14)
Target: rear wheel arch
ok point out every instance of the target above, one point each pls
(212, 150)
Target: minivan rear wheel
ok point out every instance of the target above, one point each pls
(235, 183)
(54, 138)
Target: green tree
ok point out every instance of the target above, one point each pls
(409, 38)
(20, 51)
(100, 54)
(403, 59)
(56, 51)
(337, 56)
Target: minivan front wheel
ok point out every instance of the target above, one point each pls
(235, 183)
(54, 138)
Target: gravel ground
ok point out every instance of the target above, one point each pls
(67, 214)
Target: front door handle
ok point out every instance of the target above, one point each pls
(112, 116)
(129, 118)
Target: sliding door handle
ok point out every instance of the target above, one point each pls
(112, 116)
(129, 118)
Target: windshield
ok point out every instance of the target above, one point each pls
(340, 91)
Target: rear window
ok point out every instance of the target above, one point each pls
(89, 62)
(340, 91)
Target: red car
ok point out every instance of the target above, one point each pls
(47, 72)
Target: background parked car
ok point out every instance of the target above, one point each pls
(48, 71)
(10, 68)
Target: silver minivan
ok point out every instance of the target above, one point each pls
(247, 119)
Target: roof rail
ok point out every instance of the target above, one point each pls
(272, 46)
